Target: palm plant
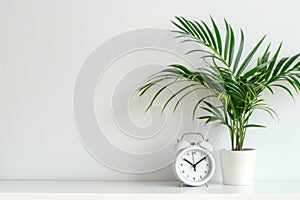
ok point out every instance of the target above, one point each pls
(233, 79)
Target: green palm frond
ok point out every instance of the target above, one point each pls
(231, 78)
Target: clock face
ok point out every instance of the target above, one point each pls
(194, 166)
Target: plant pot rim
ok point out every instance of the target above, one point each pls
(239, 151)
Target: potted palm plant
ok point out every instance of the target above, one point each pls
(235, 80)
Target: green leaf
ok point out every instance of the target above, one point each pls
(214, 110)
(181, 67)
(199, 32)
(209, 118)
(212, 39)
(254, 126)
(289, 63)
(180, 27)
(207, 40)
(270, 111)
(182, 22)
(227, 40)
(249, 57)
(217, 34)
(191, 28)
(240, 51)
(157, 94)
(272, 64)
(255, 69)
(265, 56)
(176, 94)
(231, 46)
(181, 98)
(199, 102)
(197, 50)
(296, 84)
(277, 68)
(147, 86)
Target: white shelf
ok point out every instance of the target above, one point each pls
(90, 190)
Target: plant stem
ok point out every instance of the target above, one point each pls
(232, 138)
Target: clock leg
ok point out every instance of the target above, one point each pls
(181, 184)
(206, 185)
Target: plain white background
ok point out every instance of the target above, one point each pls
(43, 44)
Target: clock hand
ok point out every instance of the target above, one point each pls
(199, 161)
(194, 166)
(193, 157)
(188, 162)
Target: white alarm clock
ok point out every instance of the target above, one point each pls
(194, 165)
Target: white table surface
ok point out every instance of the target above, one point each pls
(145, 190)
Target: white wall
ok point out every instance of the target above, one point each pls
(43, 45)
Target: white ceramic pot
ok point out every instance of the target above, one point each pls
(238, 166)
